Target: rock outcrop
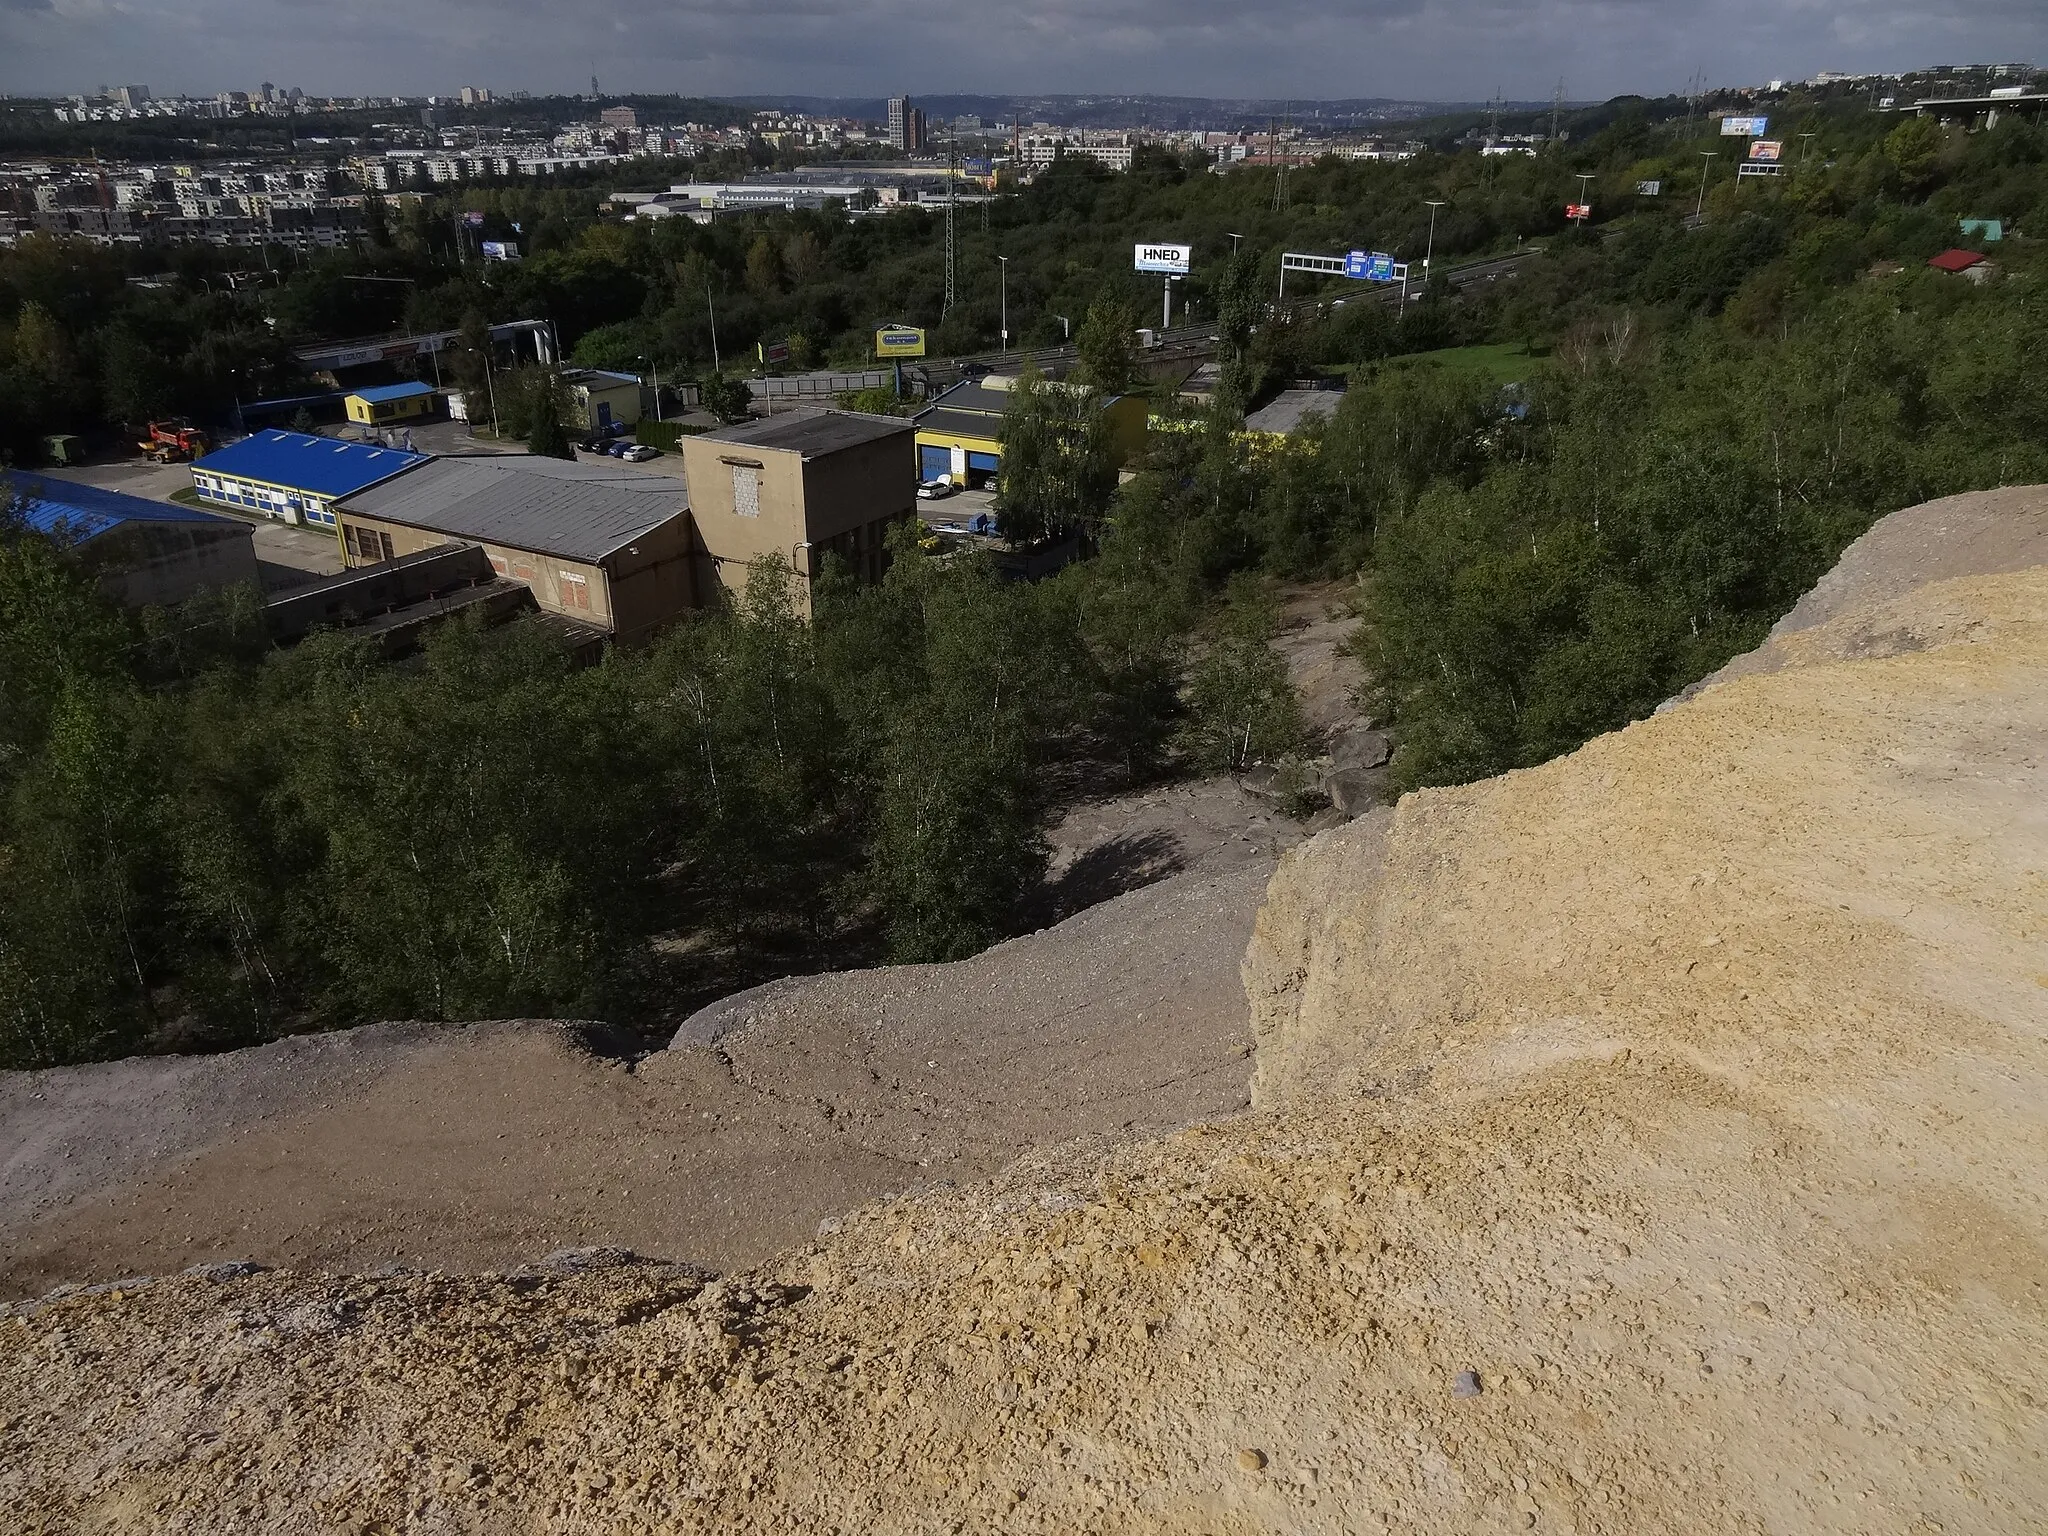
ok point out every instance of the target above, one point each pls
(1652, 1141)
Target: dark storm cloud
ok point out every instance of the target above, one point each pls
(1304, 48)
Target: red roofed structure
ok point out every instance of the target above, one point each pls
(1955, 260)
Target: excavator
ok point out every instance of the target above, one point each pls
(173, 442)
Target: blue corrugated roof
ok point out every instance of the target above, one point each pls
(381, 392)
(85, 511)
(325, 466)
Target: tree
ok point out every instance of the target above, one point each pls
(1107, 346)
(1237, 312)
(726, 397)
(1058, 468)
(547, 434)
(1241, 708)
(764, 269)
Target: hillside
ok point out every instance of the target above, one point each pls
(1648, 1141)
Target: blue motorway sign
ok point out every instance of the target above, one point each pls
(1369, 266)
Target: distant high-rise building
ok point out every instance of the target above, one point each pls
(475, 96)
(906, 125)
(619, 117)
(131, 96)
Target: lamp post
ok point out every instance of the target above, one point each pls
(1233, 243)
(1699, 211)
(712, 311)
(1005, 269)
(656, 369)
(1430, 249)
(1066, 328)
(1584, 177)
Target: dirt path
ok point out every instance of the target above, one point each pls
(477, 1147)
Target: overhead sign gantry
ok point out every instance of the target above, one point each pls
(1358, 266)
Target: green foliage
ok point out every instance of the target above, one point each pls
(1059, 461)
(1107, 346)
(665, 435)
(727, 397)
(547, 413)
(1241, 708)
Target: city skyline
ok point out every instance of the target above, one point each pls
(1458, 50)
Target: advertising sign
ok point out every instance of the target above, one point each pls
(1578, 210)
(1649, 189)
(899, 341)
(977, 165)
(501, 250)
(1165, 258)
(772, 351)
(473, 220)
(1744, 127)
(1766, 149)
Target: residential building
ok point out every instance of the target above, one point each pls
(906, 125)
(597, 542)
(796, 486)
(143, 552)
(619, 117)
(295, 477)
(959, 435)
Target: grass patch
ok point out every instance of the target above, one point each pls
(1505, 362)
(187, 496)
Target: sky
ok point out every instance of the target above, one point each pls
(1304, 49)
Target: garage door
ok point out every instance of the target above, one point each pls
(933, 463)
(985, 461)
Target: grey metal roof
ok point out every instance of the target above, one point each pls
(972, 395)
(943, 422)
(811, 432)
(1284, 413)
(580, 511)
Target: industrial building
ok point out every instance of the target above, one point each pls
(959, 435)
(295, 477)
(798, 486)
(596, 542)
(144, 553)
(387, 404)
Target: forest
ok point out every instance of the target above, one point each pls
(204, 841)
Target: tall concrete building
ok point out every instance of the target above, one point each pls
(906, 125)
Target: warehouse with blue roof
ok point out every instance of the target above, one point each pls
(143, 552)
(296, 477)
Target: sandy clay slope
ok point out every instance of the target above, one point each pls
(1688, 1093)
(468, 1148)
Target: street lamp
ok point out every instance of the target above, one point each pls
(1233, 243)
(1699, 212)
(1005, 269)
(1584, 177)
(656, 369)
(1066, 328)
(1430, 249)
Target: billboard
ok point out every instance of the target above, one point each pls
(899, 341)
(1766, 149)
(1369, 266)
(1578, 210)
(473, 220)
(1165, 258)
(501, 250)
(1649, 189)
(1744, 127)
(977, 165)
(772, 351)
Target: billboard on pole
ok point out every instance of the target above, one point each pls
(1171, 259)
(1744, 127)
(1649, 189)
(1766, 149)
(1581, 211)
(899, 341)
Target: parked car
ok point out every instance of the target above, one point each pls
(935, 490)
(618, 450)
(640, 453)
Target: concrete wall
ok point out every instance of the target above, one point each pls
(576, 589)
(141, 564)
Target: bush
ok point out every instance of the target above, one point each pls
(664, 435)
